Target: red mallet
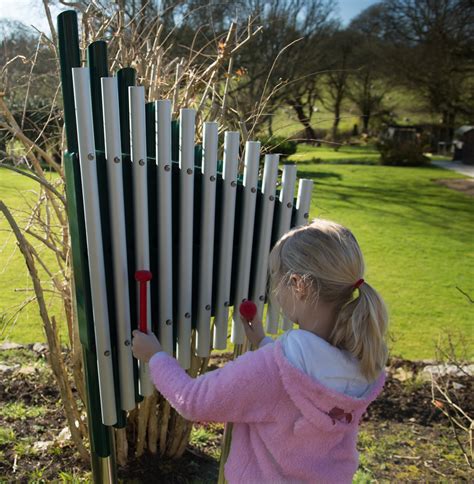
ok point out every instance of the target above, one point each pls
(142, 277)
(248, 310)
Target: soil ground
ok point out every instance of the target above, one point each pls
(403, 437)
(463, 185)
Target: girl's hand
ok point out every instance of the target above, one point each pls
(144, 346)
(253, 330)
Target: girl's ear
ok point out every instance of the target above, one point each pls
(299, 287)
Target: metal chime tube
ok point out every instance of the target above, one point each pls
(246, 227)
(140, 206)
(303, 202)
(302, 205)
(185, 261)
(270, 175)
(283, 225)
(231, 161)
(88, 162)
(208, 194)
(110, 103)
(165, 232)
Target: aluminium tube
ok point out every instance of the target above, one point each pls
(185, 259)
(90, 190)
(140, 208)
(164, 221)
(206, 254)
(270, 175)
(303, 203)
(226, 237)
(246, 227)
(283, 225)
(113, 155)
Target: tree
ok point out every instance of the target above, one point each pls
(298, 29)
(27, 79)
(278, 67)
(340, 49)
(367, 93)
(428, 47)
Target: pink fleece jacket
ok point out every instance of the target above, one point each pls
(288, 427)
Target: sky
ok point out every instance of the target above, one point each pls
(348, 9)
(31, 12)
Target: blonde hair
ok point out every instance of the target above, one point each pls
(328, 258)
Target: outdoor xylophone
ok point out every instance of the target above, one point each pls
(142, 196)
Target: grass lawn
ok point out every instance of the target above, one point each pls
(20, 194)
(418, 242)
(366, 154)
(417, 238)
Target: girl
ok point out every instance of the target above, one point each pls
(296, 403)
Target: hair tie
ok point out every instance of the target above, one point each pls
(358, 283)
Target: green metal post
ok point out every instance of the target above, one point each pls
(97, 63)
(152, 208)
(100, 435)
(126, 78)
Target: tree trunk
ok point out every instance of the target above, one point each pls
(270, 126)
(310, 135)
(365, 122)
(448, 121)
(337, 118)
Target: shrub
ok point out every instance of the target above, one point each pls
(402, 153)
(278, 145)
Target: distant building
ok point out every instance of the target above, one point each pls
(464, 145)
(402, 133)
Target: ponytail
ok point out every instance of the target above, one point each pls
(360, 329)
(328, 259)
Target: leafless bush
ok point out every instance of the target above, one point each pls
(200, 80)
(444, 391)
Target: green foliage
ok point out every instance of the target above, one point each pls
(36, 477)
(403, 153)
(19, 411)
(278, 145)
(362, 477)
(73, 478)
(24, 447)
(7, 435)
(207, 438)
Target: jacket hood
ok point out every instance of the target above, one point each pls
(313, 399)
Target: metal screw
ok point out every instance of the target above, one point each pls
(116, 159)
(107, 353)
(253, 189)
(271, 198)
(262, 298)
(189, 171)
(243, 300)
(212, 178)
(233, 184)
(169, 322)
(208, 307)
(126, 342)
(167, 167)
(289, 204)
(90, 156)
(226, 304)
(306, 215)
(141, 162)
(187, 315)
